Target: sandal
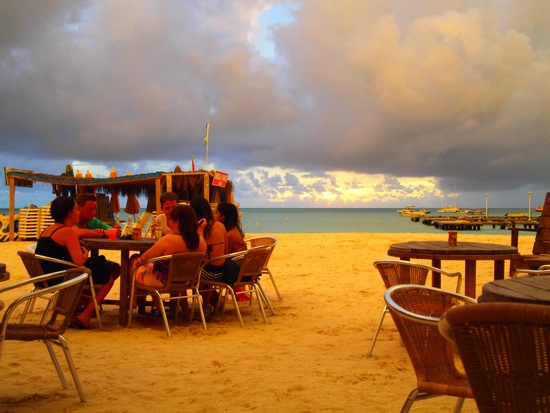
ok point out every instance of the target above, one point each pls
(78, 325)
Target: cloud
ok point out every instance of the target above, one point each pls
(455, 91)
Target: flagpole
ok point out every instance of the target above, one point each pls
(206, 141)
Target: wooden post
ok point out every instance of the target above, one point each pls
(206, 183)
(157, 195)
(12, 208)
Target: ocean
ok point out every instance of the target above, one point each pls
(335, 220)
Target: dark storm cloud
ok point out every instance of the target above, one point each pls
(455, 90)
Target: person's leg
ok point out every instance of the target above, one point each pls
(85, 316)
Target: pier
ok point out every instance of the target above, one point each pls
(475, 223)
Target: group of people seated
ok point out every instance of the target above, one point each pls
(185, 228)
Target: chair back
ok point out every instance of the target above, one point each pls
(394, 272)
(67, 299)
(542, 238)
(33, 266)
(416, 311)
(505, 350)
(185, 270)
(263, 242)
(251, 265)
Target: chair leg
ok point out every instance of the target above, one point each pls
(236, 304)
(260, 303)
(65, 346)
(268, 271)
(164, 318)
(373, 342)
(55, 362)
(29, 305)
(96, 307)
(458, 405)
(265, 298)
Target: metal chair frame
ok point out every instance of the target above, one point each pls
(65, 298)
(406, 278)
(416, 311)
(34, 269)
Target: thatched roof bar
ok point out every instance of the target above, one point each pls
(138, 179)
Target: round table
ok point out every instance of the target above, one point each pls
(469, 252)
(124, 246)
(529, 290)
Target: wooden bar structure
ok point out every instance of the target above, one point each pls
(186, 185)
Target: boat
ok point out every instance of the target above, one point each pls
(410, 211)
(478, 212)
(516, 215)
(453, 208)
(539, 208)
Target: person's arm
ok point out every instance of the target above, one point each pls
(90, 233)
(158, 249)
(217, 243)
(79, 254)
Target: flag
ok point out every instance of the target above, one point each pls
(207, 128)
(193, 163)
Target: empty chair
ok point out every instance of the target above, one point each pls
(416, 311)
(505, 350)
(394, 272)
(66, 296)
(263, 242)
(34, 269)
(251, 266)
(183, 276)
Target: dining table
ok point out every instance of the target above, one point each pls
(124, 246)
(469, 252)
(529, 290)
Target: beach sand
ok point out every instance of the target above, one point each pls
(311, 356)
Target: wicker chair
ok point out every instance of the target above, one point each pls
(264, 242)
(183, 276)
(416, 311)
(505, 350)
(50, 332)
(34, 269)
(251, 264)
(395, 272)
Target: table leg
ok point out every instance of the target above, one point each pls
(470, 279)
(124, 282)
(499, 269)
(436, 277)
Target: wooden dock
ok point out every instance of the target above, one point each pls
(475, 223)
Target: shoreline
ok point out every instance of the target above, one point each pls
(311, 356)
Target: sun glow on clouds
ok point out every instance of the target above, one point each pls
(327, 189)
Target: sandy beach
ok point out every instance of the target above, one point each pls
(311, 356)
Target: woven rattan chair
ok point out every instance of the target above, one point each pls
(251, 266)
(34, 269)
(264, 242)
(416, 311)
(183, 282)
(395, 272)
(505, 350)
(66, 296)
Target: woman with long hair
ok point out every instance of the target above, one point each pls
(182, 221)
(228, 215)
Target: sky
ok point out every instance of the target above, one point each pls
(313, 103)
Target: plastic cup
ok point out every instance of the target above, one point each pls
(111, 233)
